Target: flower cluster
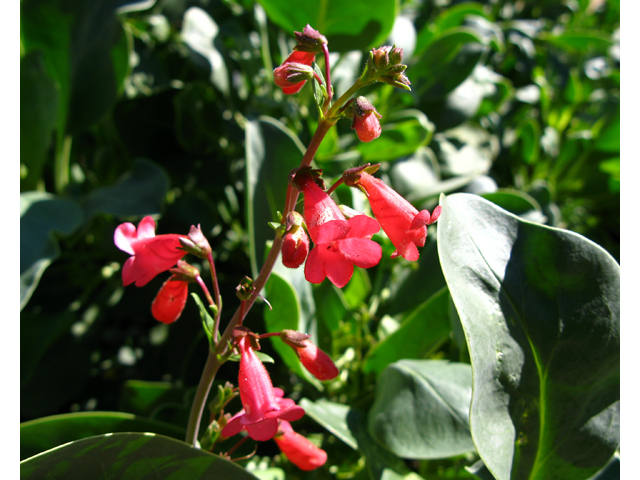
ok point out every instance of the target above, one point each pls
(339, 244)
(265, 412)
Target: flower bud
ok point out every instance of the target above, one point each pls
(196, 243)
(288, 75)
(365, 120)
(310, 40)
(295, 244)
(298, 449)
(170, 300)
(317, 362)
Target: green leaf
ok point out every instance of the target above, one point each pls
(86, 53)
(38, 114)
(421, 409)
(138, 193)
(42, 434)
(332, 416)
(403, 135)
(347, 25)
(381, 463)
(451, 17)
(518, 203)
(40, 215)
(207, 322)
(129, 456)
(445, 63)
(287, 313)
(140, 397)
(357, 290)
(331, 306)
(423, 329)
(580, 41)
(272, 151)
(540, 309)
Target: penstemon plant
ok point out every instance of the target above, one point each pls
(396, 314)
(341, 241)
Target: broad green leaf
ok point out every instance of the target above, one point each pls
(529, 133)
(449, 18)
(423, 329)
(517, 202)
(140, 397)
(46, 433)
(38, 114)
(609, 138)
(129, 456)
(421, 409)
(540, 308)
(86, 53)
(40, 215)
(381, 463)
(404, 133)
(137, 193)
(347, 25)
(580, 41)
(272, 151)
(332, 416)
(445, 63)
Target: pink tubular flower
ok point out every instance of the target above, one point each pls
(170, 300)
(404, 225)
(263, 404)
(151, 254)
(298, 449)
(283, 74)
(339, 244)
(365, 120)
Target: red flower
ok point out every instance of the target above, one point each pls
(404, 225)
(365, 120)
(283, 74)
(170, 300)
(317, 362)
(151, 254)
(339, 244)
(298, 449)
(262, 403)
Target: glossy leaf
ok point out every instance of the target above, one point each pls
(347, 25)
(137, 193)
(137, 456)
(38, 114)
(424, 328)
(46, 433)
(272, 152)
(421, 409)
(140, 397)
(540, 310)
(40, 215)
(332, 416)
(518, 203)
(86, 52)
(580, 41)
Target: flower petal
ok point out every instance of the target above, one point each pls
(313, 269)
(263, 430)
(146, 228)
(363, 226)
(339, 270)
(362, 252)
(124, 237)
(170, 300)
(332, 230)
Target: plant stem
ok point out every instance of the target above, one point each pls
(216, 292)
(62, 162)
(197, 407)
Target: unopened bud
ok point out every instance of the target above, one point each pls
(365, 120)
(295, 244)
(310, 40)
(196, 243)
(317, 362)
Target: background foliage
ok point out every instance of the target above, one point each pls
(168, 108)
